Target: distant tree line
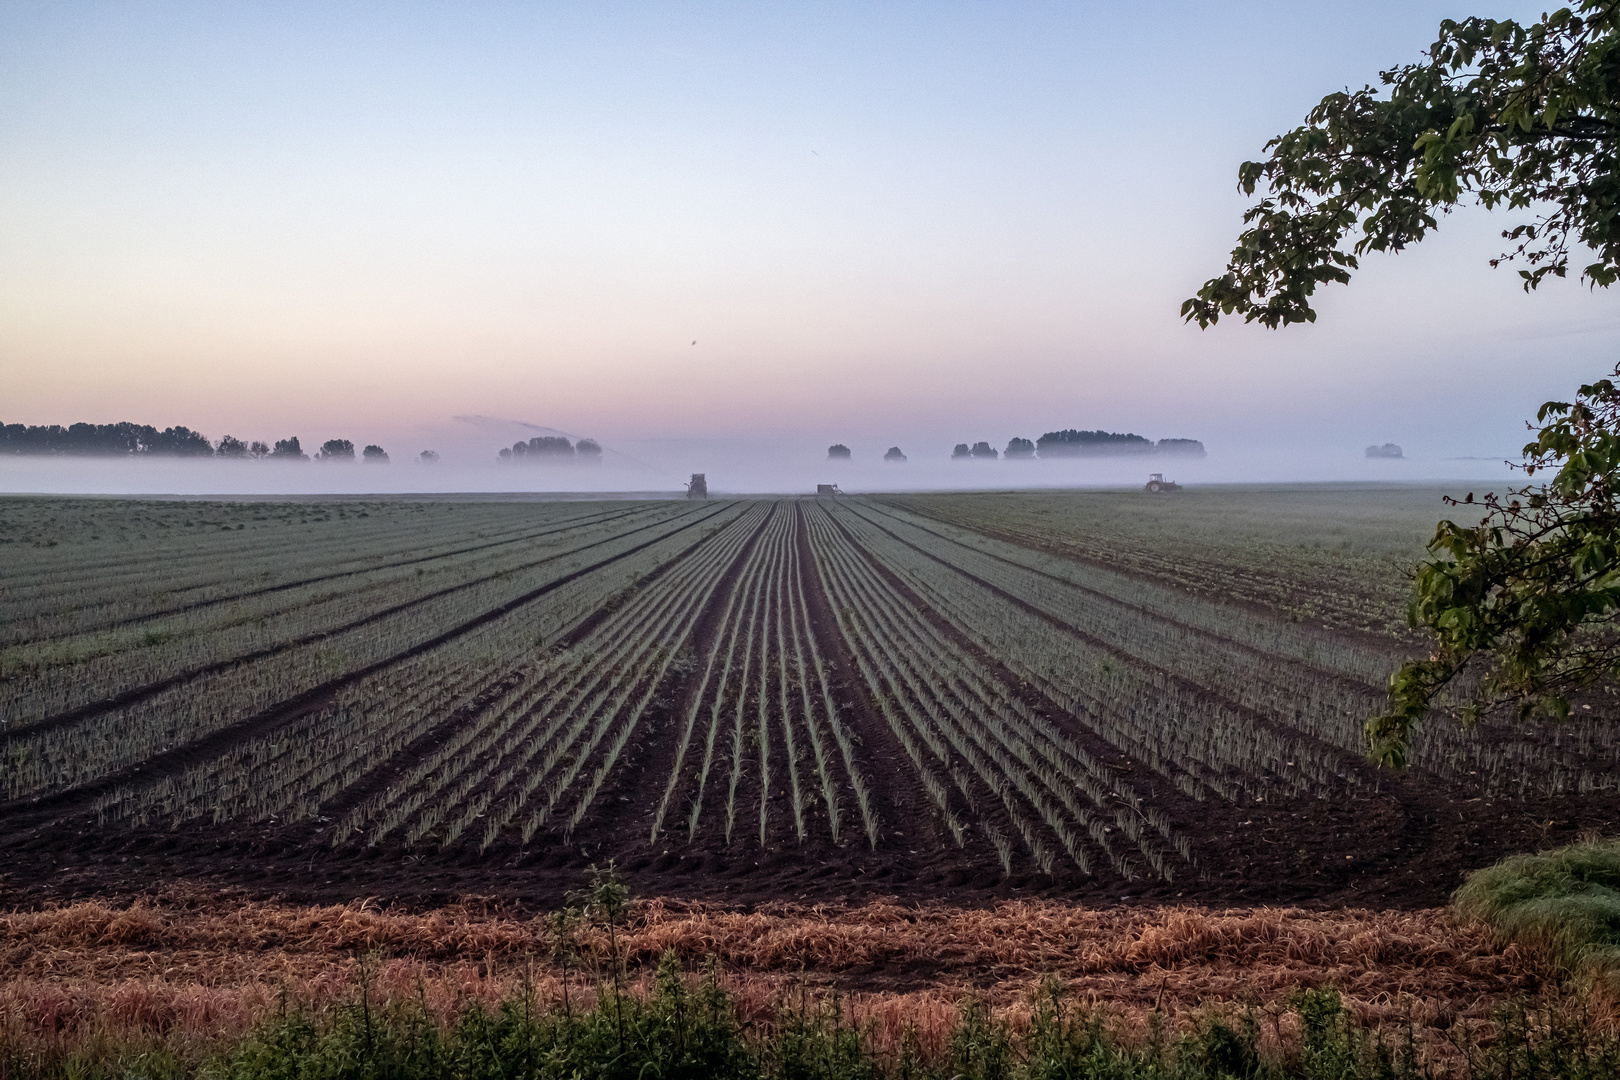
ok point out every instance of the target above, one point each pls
(127, 439)
(552, 449)
(1054, 444)
(1074, 443)
(103, 440)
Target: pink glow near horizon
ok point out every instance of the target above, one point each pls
(917, 225)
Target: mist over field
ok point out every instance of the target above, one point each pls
(719, 242)
(732, 467)
(468, 450)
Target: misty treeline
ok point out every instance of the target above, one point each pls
(544, 449)
(1054, 444)
(1072, 443)
(138, 440)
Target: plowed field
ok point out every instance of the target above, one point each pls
(964, 698)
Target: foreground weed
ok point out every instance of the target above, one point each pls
(687, 1028)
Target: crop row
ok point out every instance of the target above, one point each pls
(49, 595)
(747, 676)
(71, 755)
(1330, 556)
(1274, 699)
(541, 754)
(764, 690)
(473, 714)
(1238, 687)
(980, 751)
(80, 604)
(60, 676)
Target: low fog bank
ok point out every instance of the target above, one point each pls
(732, 467)
(741, 469)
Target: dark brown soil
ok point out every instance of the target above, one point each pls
(1407, 847)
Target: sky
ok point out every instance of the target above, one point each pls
(720, 235)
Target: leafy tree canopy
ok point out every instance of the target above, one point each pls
(336, 450)
(1524, 607)
(1527, 602)
(1019, 448)
(1498, 113)
(289, 450)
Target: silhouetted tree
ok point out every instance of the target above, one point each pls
(894, 455)
(1072, 443)
(589, 448)
(838, 451)
(56, 439)
(430, 457)
(551, 446)
(180, 442)
(961, 451)
(542, 448)
(231, 447)
(1184, 447)
(374, 455)
(258, 449)
(123, 438)
(103, 439)
(984, 450)
(1020, 448)
(336, 450)
(289, 450)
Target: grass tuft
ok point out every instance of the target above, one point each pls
(1564, 904)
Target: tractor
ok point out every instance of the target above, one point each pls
(1157, 483)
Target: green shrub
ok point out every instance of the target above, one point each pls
(675, 1034)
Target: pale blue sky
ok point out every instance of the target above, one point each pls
(880, 223)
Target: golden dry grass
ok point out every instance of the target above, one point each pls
(186, 963)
